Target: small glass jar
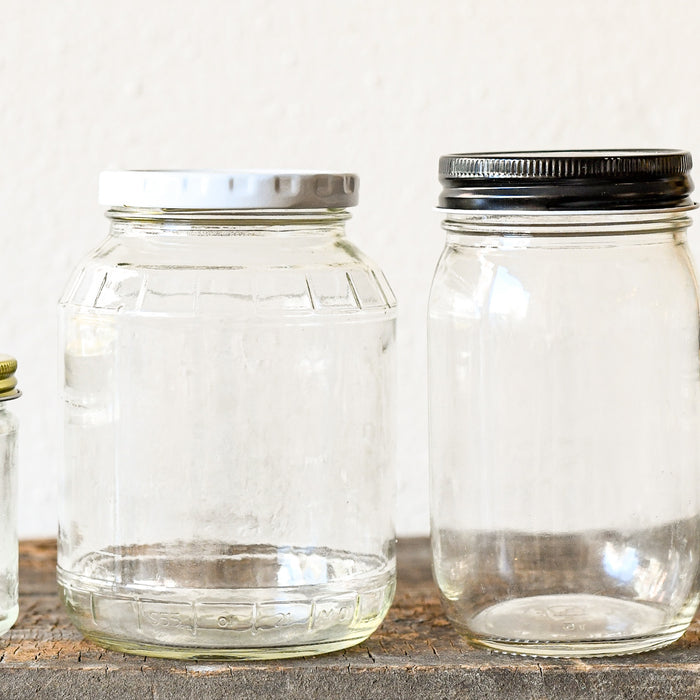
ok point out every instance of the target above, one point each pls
(8, 495)
(564, 402)
(229, 420)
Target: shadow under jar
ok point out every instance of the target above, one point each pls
(229, 404)
(564, 402)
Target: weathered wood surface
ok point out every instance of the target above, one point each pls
(415, 654)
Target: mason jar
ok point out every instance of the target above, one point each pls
(228, 395)
(8, 495)
(564, 388)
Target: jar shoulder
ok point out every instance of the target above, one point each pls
(225, 274)
(658, 276)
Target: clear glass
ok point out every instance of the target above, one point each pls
(228, 397)
(8, 517)
(564, 388)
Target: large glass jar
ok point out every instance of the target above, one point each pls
(564, 389)
(229, 420)
(8, 495)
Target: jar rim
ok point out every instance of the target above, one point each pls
(561, 213)
(228, 217)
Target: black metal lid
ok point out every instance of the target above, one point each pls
(567, 180)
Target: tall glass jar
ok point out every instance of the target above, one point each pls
(8, 495)
(564, 390)
(229, 420)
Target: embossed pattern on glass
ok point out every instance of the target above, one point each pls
(228, 402)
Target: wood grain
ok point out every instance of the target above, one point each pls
(415, 654)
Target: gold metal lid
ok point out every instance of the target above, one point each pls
(8, 381)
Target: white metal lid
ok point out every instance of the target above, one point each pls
(224, 189)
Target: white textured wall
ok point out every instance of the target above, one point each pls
(378, 87)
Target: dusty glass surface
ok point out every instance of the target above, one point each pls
(564, 396)
(8, 518)
(229, 441)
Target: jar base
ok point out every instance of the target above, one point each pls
(8, 618)
(239, 654)
(179, 607)
(573, 625)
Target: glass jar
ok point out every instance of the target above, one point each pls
(229, 420)
(8, 495)
(564, 388)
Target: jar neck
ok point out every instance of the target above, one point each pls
(567, 224)
(131, 221)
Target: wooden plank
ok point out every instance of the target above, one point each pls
(414, 654)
